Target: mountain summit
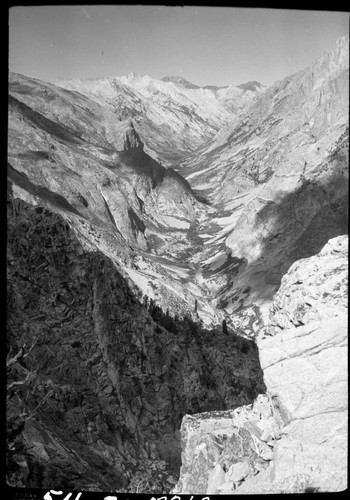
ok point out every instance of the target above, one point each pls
(253, 86)
(179, 80)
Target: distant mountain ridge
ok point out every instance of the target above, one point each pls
(253, 85)
(181, 81)
(173, 116)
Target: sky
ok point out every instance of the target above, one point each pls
(205, 45)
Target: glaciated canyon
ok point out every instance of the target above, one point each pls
(142, 215)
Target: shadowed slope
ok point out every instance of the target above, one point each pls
(101, 393)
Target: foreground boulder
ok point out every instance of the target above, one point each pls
(294, 439)
(222, 449)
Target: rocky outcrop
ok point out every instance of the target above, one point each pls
(220, 450)
(96, 388)
(127, 138)
(294, 439)
(178, 80)
(305, 361)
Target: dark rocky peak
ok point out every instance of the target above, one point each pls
(253, 86)
(128, 138)
(135, 160)
(214, 87)
(178, 80)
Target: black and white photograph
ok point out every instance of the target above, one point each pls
(177, 251)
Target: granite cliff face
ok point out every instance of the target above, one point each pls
(294, 438)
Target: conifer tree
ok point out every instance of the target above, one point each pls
(145, 301)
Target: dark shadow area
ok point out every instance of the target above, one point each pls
(136, 160)
(66, 134)
(297, 226)
(201, 197)
(136, 223)
(230, 266)
(21, 180)
(304, 220)
(98, 383)
(141, 163)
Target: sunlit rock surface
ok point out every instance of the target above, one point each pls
(295, 437)
(221, 449)
(305, 358)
